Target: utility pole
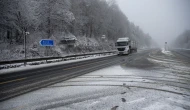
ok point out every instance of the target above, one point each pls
(24, 48)
(47, 50)
(165, 46)
(25, 35)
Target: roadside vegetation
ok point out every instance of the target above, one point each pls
(95, 23)
(183, 40)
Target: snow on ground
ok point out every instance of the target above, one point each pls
(162, 106)
(181, 48)
(117, 87)
(103, 90)
(166, 52)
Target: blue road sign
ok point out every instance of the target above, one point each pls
(46, 42)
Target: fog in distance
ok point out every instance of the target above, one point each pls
(164, 20)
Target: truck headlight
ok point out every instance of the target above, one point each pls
(127, 48)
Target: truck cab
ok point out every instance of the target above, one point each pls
(123, 46)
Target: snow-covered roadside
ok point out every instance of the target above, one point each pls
(116, 86)
(30, 67)
(181, 49)
(166, 52)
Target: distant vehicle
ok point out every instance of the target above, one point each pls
(70, 40)
(125, 46)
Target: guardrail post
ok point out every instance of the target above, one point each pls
(25, 48)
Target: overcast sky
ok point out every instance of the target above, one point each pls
(164, 20)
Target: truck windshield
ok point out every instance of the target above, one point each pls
(122, 43)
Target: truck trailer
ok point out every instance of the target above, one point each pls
(125, 46)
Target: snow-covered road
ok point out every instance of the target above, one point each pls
(156, 80)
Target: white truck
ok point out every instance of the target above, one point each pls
(125, 46)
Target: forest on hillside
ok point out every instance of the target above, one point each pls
(183, 40)
(87, 20)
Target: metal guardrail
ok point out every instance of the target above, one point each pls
(51, 58)
(182, 51)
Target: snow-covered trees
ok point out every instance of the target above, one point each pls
(13, 20)
(53, 15)
(58, 18)
(9, 19)
(92, 18)
(183, 40)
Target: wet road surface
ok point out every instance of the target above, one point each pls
(146, 80)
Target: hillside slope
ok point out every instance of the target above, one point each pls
(183, 40)
(87, 20)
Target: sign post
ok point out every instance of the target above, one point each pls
(165, 46)
(25, 35)
(47, 42)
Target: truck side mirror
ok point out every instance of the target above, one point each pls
(115, 44)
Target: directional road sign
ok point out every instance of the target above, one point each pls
(46, 42)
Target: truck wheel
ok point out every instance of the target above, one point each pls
(129, 51)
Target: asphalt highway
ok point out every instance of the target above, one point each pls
(151, 79)
(17, 83)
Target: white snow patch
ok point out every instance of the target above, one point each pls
(136, 101)
(160, 61)
(162, 106)
(183, 102)
(169, 53)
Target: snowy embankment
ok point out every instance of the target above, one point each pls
(166, 52)
(182, 49)
(4, 69)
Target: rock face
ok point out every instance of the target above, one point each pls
(87, 20)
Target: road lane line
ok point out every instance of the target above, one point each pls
(63, 69)
(82, 65)
(38, 71)
(12, 81)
